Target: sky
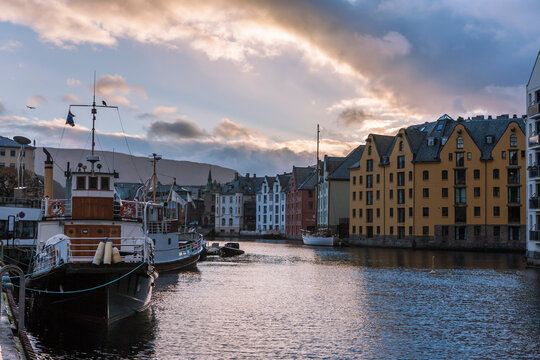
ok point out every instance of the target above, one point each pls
(243, 84)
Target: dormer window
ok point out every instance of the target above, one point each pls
(92, 183)
(81, 182)
(430, 141)
(489, 139)
(460, 142)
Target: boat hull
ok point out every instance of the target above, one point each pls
(105, 304)
(172, 255)
(315, 240)
(180, 264)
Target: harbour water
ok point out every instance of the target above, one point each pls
(288, 301)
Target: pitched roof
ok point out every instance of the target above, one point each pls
(382, 143)
(300, 174)
(245, 185)
(309, 182)
(342, 172)
(331, 163)
(7, 142)
(284, 180)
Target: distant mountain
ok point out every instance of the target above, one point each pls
(134, 169)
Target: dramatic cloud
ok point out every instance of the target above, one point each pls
(35, 100)
(181, 128)
(10, 45)
(70, 98)
(71, 82)
(352, 116)
(231, 130)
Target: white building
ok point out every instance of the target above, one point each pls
(533, 158)
(271, 204)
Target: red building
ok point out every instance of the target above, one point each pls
(300, 202)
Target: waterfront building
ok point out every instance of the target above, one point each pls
(209, 200)
(333, 197)
(9, 153)
(447, 183)
(271, 201)
(300, 201)
(533, 157)
(235, 204)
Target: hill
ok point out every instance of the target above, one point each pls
(134, 169)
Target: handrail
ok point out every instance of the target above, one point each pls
(5, 269)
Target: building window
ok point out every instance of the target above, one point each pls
(353, 213)
(425, 175)
(354, 180)
(12, 165)
(378, 194)
(513, 140)
(495, 173)
(425, 230)
(369, 181)
(3, 152)
(514, 233)
(354, 229)
(503, 154)
(450, 157)
(391, 194)
(410, 175)
(359, 230)
(444, 230)
(378, 230)
(460, 214)
(469, 156)
(496, 211)
(460, 176)
(410, 193)
(425, 192)
(513, 194)
(401, 162)
(354, 195)
(476, 192)
(359, 195)
(360, 179)
(391, 176)
(378, 212)
(391, 212)
(369, 197)
(369, 215)
(223, 222)
(12, 153)
(461, 233)
(401, 196)
(401, 215)
(444, 175)
(445, 211)
(410, 230)
(425, 212)
(378, 178)
(360, 212)
(489, 139)
(401, 146)
(513, 157)
(460, 142)
(105, 183)
(461, 195)
(391, 230)
(477, 211)
(513, 176)
(460, 159)
(401, 232)
(401, 178)
(410, 212)
(230, 221)
(369, 150)
(476, 174)
(444, 192)
(369, 164)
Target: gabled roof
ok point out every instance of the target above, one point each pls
(7, 142)
(245, 185)
(270, 180)
(309, 182)
(383, 144)
(331, 163)
(300, 174)
(284, 180)
(342, 172)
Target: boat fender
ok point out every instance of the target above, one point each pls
(98, 256)
(107, 257)
(116, 258)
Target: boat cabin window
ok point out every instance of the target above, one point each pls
(105, 181)
(92, 183)
(81, 182)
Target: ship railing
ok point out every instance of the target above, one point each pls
(191, 247)
(56, 208)
(129, 210)
(160, 227)
(83, 250)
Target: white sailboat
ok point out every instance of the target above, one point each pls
(318, 237)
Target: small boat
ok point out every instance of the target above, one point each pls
(230, 249)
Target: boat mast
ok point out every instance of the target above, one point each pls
(317, 184)
(155, 158)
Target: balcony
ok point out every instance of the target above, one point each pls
(534, 171)
(534, 235)
(534, 203)
(533, 111)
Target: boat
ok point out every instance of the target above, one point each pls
(230, 249)
(176, 248)
(317, 237)
(94, 261)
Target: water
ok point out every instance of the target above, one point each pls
(284, 301)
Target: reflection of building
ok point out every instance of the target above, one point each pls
(333, 199)
(235, 204)
(271, 201)
(300, 200)
(533, 150)
(456, 183)
(9, 153)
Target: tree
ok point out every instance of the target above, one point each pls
(8, 182)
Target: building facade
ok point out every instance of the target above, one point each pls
(448, 183)
(300, 202)
(10, 152)
(271, 201)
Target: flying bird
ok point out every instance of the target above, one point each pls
(30, 107)
(103, 102)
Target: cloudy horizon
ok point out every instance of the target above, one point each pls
(243, 84)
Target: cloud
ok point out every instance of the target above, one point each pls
(163, 110)
(2, 108)
(70, 98)
(355, 116)
(10, 45)
(230, 130)
(116, 90)
(35, 100)
(181, 128)
(72, 82)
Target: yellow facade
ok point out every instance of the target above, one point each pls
(463, 192)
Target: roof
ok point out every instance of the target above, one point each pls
(309, 182)
(270, 180)
(284, 180)
(331, 163)
(300, 174)
(7, 142)
(534, 67)
(382, 144)
(243, 184)
(342, 171)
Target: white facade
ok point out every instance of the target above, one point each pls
(229, 213)
(533, 162)
(271, 207)
(322, 202)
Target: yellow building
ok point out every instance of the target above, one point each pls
(448, 183)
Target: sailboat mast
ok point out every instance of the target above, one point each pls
(317, 183)
(94, 112)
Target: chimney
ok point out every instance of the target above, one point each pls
(48, 175)
(247, 175)
(254, 175)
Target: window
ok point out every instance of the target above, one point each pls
(369, 215)
(410, 193)
(354, 180)
(369, 150)
(369, 197)
(425, 230)
(354, 229)
(410, 175)
(444, 230)
(460, 159)
(425, 211)
(461, 233)
(425, 192)
(513, 176)
(495, 173)
(513, 140)
(3, 152)
(12, 165)
(460, 177)
(489, 139)
(461, 196)
(378, 194)
(444, 175)
(460, 142)
(469, 156)
(401, 146)
(230, 210)
(391, 230)
(353, 213)
(496, 211)
(401, 162)
(354, 195)
(401, 178)
(513, 194)
(450, 157)
(425, 175)
(359, 195)
(391, 176)
(12, 153)
(503, 154)
(369, 181)
(401, 196)
(378, 230)
(401, 232)
(444, 192)
(360, 212)
(391, 212)
(445, 211)
(476, 192)
(360, 179)
(513, 157)
(477, 211)
(223, 222)
(476, 174)
(514, 233)
(369, 164)
(410, 211)
(460, 214)
(378, 178)
(105, 183)
(378, 212)
(230, 221)
(391, 194)
(81, 182)
(401, 215)
(410, 230)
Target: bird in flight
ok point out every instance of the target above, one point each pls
(103, 102)
(30, 107)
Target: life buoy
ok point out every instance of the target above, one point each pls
(57, 208)
(127, 210)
